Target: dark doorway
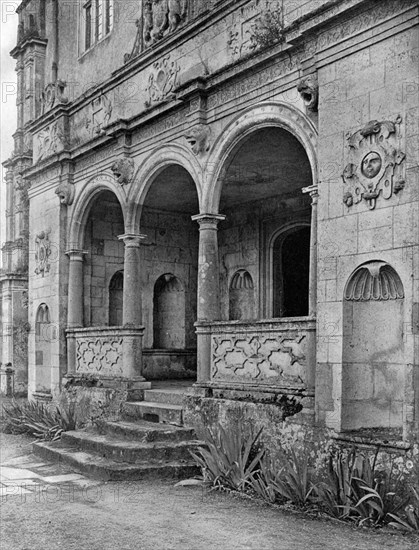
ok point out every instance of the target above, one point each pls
(291, 267)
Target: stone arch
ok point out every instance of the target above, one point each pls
(83, 203)
(373, 363)
(160, 158)
(266, 114)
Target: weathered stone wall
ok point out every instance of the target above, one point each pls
(369, 80)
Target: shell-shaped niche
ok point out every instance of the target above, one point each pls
(241, 280)
(374, 281)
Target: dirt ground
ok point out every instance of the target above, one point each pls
(47, 506)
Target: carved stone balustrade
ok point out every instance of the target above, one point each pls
(106, 352)
(278, 353)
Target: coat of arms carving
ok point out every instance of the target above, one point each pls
(376, 164)
(162, 80)
(42, 253)
(162, 17)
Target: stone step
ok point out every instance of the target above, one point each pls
(133, 452)
(105, 469)
(153, 412)
(146, 431)
(167, 396)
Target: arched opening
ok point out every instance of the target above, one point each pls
(104, 259)
(44, 335)
(242, 296)
(116, 295)
(170, 300)
(261, 196)
(373, 370)
(291, 273)
(169, 313)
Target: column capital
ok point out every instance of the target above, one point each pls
(132, 240)
(76, 254)
(208, 221)
(313, 191)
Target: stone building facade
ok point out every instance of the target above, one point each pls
(220, 191)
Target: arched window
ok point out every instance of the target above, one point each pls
(241, 296)
(45, 332)
(373, 365)
(169, 313)
(291, 272)
(116, 292)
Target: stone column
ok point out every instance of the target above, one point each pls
(132, 307)
(313, 191)
(75, 303)
(208, 287)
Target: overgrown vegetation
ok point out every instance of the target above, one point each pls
(268, 30)
(39, 420)
(355, 486)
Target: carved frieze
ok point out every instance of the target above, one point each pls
(259, 358)
(198, 138)
(308, 88)
(49, 141)
(123, 170)
(377, 163)
(99, 115)
(99, 355)
(162, 80)
(53, 95)
(42, 253)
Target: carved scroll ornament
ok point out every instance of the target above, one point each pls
(377, 163)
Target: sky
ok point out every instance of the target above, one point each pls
(8, 31)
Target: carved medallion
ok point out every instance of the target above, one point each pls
(162, 80)
(53, 95)
(42, 253)
(198, 138)
(123, 170)
(377, 163)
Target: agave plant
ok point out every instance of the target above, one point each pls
(294, 481)
(263, 481)
(409, 521)
(39, 420)
(228, 459)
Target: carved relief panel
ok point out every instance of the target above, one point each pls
(101, 355)
(42, 253)
(273, 359)
(377, 163)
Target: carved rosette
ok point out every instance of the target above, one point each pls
(308, 88)
(162, 81)
(198, 138)
(123, 170)
(376, 164)
(42, 253)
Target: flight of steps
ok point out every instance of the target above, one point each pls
(149, 441)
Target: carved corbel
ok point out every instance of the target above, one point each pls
(123, 170)
(198, 138)
(65, 192)
(308, 88)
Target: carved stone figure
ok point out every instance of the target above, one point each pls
(65, 192)
(49, 140)
(42, 253)
(101, 112)
(308, 88)
(123, 170)
(53, 95)
(198, 138)
(162, 80)
(162, 17)
(377, 163)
